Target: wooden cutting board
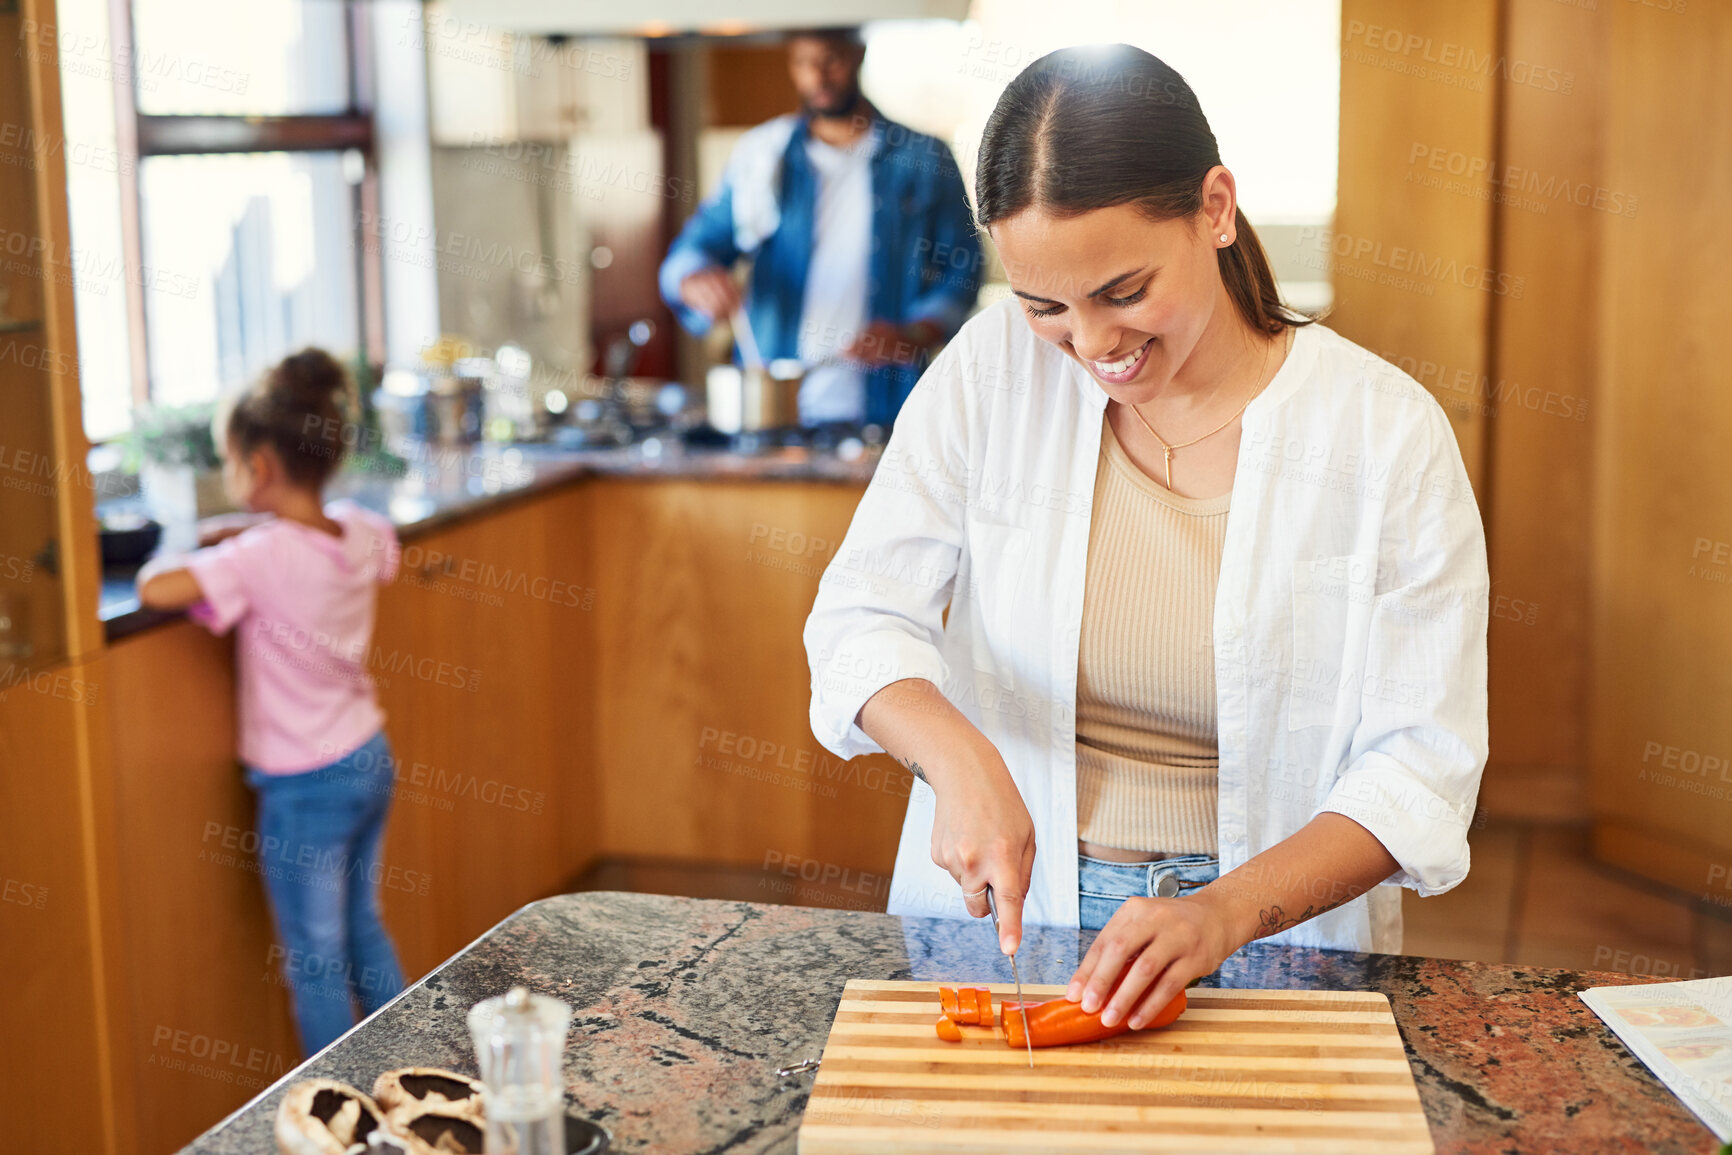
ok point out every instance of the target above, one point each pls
(1257, 1071)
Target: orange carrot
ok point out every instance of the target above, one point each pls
(1060, 1022)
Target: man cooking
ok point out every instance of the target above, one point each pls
(863, 250)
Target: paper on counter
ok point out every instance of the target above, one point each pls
(1682, 1032)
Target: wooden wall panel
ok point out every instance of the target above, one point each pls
(703, 742)
(1662, 618)
(1550, 206)
(1410, 262)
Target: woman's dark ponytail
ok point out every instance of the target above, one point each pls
(299, 409)
(1097, 126)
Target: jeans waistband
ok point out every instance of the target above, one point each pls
(1165, 878)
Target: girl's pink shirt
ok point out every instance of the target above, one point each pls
(304, 603)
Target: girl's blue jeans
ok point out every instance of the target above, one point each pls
(320, 839)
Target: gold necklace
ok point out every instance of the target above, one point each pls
(1168, 449)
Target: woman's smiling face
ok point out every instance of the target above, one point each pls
(1126, 296)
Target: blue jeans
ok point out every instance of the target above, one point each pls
(320, 837)
(1103, 886)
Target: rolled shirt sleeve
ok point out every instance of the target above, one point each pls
(223, 573)
(1414, 766)
(879, 612)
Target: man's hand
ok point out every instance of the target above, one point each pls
(712, 292)
(882, 343)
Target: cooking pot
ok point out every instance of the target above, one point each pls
(755, 399)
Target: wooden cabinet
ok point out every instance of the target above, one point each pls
(1409, 263)
(61, 967)
(1588, 385)
(485, 658)
(487, 85)
(195, 933)
(702, 743)
(1661, 729)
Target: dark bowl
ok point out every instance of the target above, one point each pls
(131, 546)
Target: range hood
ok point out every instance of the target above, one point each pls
(673, 17)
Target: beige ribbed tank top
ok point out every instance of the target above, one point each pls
(1146, 748)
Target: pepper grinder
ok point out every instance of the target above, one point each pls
(520, 1045)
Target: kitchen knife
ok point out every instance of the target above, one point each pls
(1021, 1006)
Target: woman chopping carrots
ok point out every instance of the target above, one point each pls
(1173, 602)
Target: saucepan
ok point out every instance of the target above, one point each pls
(757, 397)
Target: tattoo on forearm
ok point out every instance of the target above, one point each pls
(914, 768)
(1274, 920)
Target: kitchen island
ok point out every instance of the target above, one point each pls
(685, 1008)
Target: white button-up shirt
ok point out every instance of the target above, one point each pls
(1349, 626)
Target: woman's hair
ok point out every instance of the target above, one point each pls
(297, 409)
(1097, 126)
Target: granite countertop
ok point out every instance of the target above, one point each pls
(446, 484)
(685, 1008)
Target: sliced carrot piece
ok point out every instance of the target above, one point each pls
(948, 1030)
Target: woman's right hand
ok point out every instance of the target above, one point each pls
(983, 835)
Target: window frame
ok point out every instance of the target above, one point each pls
(140, 136)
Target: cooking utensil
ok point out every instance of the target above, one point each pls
(1027, 1037)
(748, 341)
(1259, 1070)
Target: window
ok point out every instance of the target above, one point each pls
(247, 257)
(223, 234)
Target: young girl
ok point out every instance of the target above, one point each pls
(299, 583)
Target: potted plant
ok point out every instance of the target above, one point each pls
(173, 450)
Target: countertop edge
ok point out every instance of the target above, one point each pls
(136, 620)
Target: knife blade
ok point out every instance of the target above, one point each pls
(1027, 1039)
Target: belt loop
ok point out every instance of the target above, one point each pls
(1149, 881)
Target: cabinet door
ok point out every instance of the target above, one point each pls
(487, 85)
(703, 743)
(481, 655)
(61, 988)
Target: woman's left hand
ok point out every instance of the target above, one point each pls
(1165, 942)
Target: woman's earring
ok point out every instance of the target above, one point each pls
(1223, 238)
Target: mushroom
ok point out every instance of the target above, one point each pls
(325, 1117)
